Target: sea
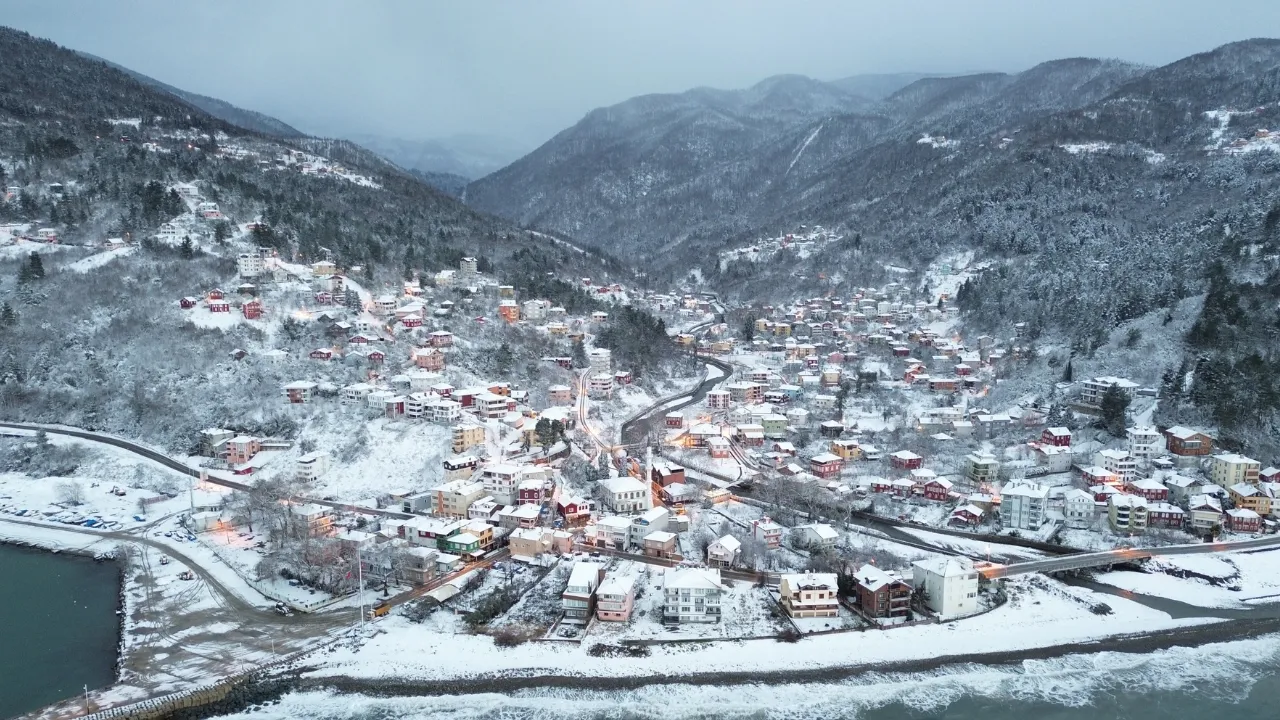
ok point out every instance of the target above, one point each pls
(59, 631)
(1241, 677)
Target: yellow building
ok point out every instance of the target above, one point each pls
(846, 449)
(466, 437)
(1250, 497)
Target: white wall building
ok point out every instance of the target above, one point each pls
(626, 494)
(950, 585)
(691, 595)
(1023, 505)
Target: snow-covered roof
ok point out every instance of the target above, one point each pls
(946, 566)
(692, 579)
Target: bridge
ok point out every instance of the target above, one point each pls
(1080, 561)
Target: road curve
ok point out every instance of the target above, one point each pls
(180, 467)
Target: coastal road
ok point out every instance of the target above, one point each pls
(181, 467)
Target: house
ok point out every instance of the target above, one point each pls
(600, 385)
(252, 310)
(613, 531)
(1250, 497)
(1056, 436)
(1092, 391)
(881, 594)
(905, 460)
(625, 494)
(188, 302)
(723, 552)
(809, 595)
(300, 391)
(578, 598)
(674, 420)
(1151, 490)
(441, 338)
(666, 473)
(321, 354)
(1181, 487)
(846, 449)
(1145, 442)
(311, 466)
(949, 585)
(826, 465)
(218, 306)
(528, 544)
(316, 520)
(651, 520)
(1127, 513)
(981, 468)
(660, 544)
(1096, 475)
(815, 536)
(1024, 505)
(691, 595)
(1078, 509)
(1185, 442)
(241, 448)
(767, 531)
(718, 400)
(1204, 513)
(1243, 520)
(1165, 516)
(935, 488)
(969, 514)
(1229, 469)
(719, 448)
(615, 598)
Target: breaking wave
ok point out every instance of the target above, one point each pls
(1216, 673)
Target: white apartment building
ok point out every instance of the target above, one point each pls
(250, 265)
(1092, 391)
(1127, 513)
(1119, 462)
(1145, 442)
(311, 466)
(1078, 509)
(1023, 505)
(950, 585)
(691, 595)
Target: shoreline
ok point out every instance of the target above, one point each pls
(1138, 643)
(121, 606)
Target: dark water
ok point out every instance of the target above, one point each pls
(58, 627)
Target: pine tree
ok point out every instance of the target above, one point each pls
(749, 328)
(1068, 373)
(1114, 404)
(187, 250)
(8, 318)
(579, 355)
(33, 269)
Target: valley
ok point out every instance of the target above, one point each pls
(791, 384)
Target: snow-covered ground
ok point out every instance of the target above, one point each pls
(1041, 613)
(97, 260)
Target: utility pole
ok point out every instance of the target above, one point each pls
(360, 586)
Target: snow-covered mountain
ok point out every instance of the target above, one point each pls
(466, 156)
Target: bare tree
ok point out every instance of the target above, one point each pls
(69, 492)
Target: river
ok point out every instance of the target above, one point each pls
(58, 626)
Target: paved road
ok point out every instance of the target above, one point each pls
(635, 430)
(183, 468)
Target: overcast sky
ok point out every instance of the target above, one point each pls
(419, 69)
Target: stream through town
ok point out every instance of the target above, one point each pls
(58, 627)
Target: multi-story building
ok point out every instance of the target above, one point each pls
(311, 466)
(250, 265)
(578, 598)
(1251, 497)
(1127, 513)
(691, 595)
(466, 437)
(950, 585)
(615, 598)
(1120, 462)
(882, 594)
(1023, 505)
(806, 595)
(454, 498)
(1230, 469)
(1185, 442)
(625, 494)
(1092, 391)
(1079, 509)
(981, 469)
(1145, 442)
